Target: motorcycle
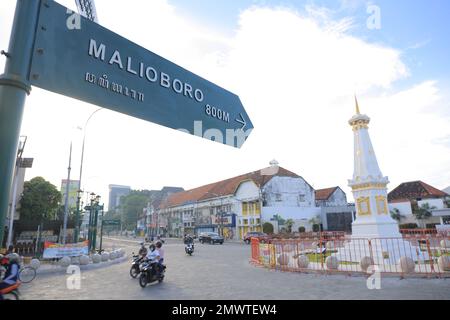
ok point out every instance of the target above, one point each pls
(135, 270)
(11, 293)
(149, 273)
(189, 248)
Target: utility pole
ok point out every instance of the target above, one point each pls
(66, 207)
(14, 88)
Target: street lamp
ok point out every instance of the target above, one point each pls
(77, 217)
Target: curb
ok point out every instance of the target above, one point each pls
(91, 266)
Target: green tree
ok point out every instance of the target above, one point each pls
(279, 219)
(396, 215)
(423, 212)
(289, 223)
(40, 200)
(132, 206)
(316, 222)
(268, 228)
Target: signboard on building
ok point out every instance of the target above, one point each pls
(88, 62)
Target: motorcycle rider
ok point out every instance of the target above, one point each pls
(161, 256)
(188, 239)
(155, 256)
(143, 250)
(12, 272)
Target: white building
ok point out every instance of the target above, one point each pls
(410, 196)
(242, 204)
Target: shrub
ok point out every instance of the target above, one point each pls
(316, 228)
(409, 226)
(268, 228)
(302, 230)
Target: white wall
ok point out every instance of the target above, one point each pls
(438, 203)
(247, 191)
(290, 189)
(295, 213)
(403, 207)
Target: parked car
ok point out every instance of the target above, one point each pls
(261, 236)
(210, 237)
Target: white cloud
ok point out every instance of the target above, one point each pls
(295, 73)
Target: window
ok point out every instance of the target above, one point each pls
(245, 221)
(244, 208)
(301, 198)
(258, 208)
(278, 197)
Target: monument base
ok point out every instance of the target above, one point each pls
(381, 240)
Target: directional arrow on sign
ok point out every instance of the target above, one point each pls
(242, 121)
(95, 65)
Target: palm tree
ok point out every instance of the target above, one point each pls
(289, 223)
(396, 215)
(423, 212)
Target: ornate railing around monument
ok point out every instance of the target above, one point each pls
(423, 256)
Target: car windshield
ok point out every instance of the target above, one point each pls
(213, 234)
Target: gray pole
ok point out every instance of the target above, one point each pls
(66, 207)
(14, 87)
(13, 208)
(77, 218)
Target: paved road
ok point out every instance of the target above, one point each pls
(222, 272)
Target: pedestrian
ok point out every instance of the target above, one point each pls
(10, 249)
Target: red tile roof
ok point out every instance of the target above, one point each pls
(325, 194)
(415, 190)
(225, 187)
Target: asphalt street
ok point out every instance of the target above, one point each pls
(222, 272)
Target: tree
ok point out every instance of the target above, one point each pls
(132, 206)
(396, 215)
(268, 228)
(289, 223)
(279, 219)
(423, 212)
(40, 200)
(316, 223)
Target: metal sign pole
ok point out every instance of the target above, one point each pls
(14, 87)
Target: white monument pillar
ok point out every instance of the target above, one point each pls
(375, 233)
(369, 186)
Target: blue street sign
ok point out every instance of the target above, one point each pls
(76, 57)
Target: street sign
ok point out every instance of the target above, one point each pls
(87, 9)
(88, 62)
(111, 222)
(26, 163)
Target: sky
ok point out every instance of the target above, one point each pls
(296, 66)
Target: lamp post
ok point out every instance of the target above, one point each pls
(97, 207)
(77, 216)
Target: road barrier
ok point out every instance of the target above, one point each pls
(417, 255)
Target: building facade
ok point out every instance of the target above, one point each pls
(336, 213)
(411, 196)
(115, 193)
(242, 204)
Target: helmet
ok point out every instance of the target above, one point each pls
(152, 247)
(14, 258)
(158, 244)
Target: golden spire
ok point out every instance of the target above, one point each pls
(357, 106)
